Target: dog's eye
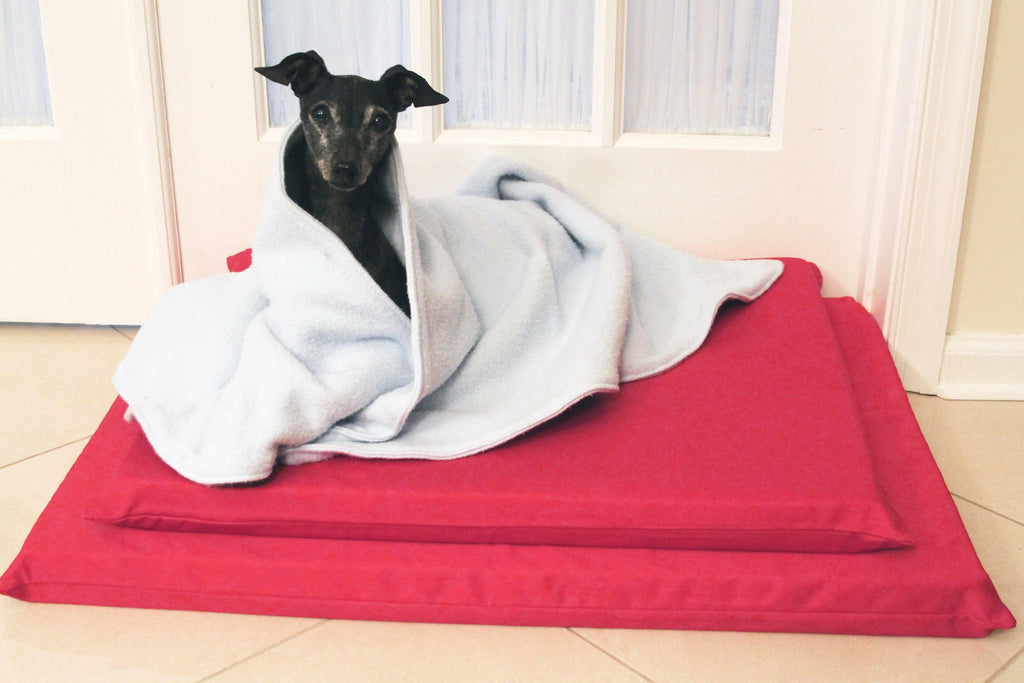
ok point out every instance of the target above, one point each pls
(320, 113)
(380, 122)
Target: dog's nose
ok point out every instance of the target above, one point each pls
(344, 173)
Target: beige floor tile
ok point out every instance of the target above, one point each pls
(56, 384)
(999, 543)
(1013, 672)
(25, 489)
(979, 446)
(372, 651)
(129, 332)
(667, 656)
(689, 656)
(40, 642)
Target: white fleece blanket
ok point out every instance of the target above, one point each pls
(523, 302)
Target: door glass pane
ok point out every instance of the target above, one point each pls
(363, 37)
(24, 89)
(518, 64)
(700, 66)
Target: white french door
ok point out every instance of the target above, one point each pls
(815, 186)
(856, 159)
(82, 214)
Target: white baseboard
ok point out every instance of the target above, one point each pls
(983, 367)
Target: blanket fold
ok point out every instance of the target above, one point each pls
(523, 301)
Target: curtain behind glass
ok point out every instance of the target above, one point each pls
(700, 66)
(362, 37)
(691, 66)
(24, 89)
(518, 64)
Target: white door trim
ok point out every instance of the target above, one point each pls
(983, 367)
(155, 116)
(925, 263)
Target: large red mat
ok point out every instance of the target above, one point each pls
(937, 587)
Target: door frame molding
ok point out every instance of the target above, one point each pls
(924, 267)
(147, 21)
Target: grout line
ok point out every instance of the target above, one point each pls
(1001, 670)
(118, 330)
(608, 654)
(41, 453)
(264, 650)
(988, 509)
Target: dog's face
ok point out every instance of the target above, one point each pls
(348, 121)
(349, 125)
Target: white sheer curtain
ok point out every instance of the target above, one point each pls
(518, 64)
(24, 87)
(362, 37)
(700, 66)
(692, 66)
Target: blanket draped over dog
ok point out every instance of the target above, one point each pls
(523, 302)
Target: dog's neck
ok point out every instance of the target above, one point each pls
(349, 215)
(345, 213)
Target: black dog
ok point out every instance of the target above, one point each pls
(348, 124)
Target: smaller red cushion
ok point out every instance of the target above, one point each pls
(753, 443)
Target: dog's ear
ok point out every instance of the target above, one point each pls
(408, 88)
(301, 71)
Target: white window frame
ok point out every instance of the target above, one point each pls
(607, 107)
(426, 51)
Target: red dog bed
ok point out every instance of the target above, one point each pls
(221, 550)
(735, 451)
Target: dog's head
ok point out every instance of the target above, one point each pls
(349, 121)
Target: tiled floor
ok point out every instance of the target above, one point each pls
(54, 388)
